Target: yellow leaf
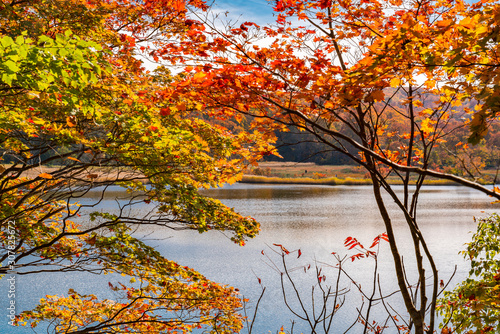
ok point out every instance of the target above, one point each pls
(46, 176)
(38, 121)
(481, 30)
(467, 23)
(427, 126)
(395, 82)
(418, 103)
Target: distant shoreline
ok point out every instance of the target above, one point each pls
(264, 173)
(331, 181)
(312, 174)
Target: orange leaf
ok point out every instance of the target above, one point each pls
(283, 249)
(199, 76)
(46, 176)
(444, 23)
(378, 95)
(179, 5)
(70, 121)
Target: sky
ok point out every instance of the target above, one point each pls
(258, 11)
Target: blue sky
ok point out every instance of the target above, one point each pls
(258, 11)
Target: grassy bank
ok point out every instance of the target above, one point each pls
(310, 173)
(332, 181)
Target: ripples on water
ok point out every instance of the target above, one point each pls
(315, 219)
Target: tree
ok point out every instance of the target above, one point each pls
(472, 306)
(467, 54)
(80, 112)
(329, 66)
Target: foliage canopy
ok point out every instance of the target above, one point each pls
(79, 112)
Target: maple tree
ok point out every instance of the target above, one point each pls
(333, 69)
(78, 111)
(466, 51)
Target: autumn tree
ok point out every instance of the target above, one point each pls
(466, 53)
(341, 71)
(79, 111)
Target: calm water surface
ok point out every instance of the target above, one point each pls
(314, 219)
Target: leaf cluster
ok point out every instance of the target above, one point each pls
(474, 305)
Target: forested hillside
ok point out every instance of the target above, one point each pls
(448, 154)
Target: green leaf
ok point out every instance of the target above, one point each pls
(6, 41)
(12, 66)
(63, 52)
(8, 78)
(19, 40)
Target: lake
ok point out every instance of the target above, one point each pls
(314, 219)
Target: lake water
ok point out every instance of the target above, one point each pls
(314, 219)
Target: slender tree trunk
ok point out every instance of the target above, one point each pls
(416, 316)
